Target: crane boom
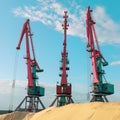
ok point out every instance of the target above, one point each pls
(92, 40)
(26, 31)
(100, 89)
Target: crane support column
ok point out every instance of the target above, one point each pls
(63, 91)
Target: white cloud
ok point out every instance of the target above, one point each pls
(50, 13)
(115, 63)
(8, 94)
(6, 86)
(107, 29)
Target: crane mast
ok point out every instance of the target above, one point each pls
(100, 89)
(34, 91)
(63, 91)
(64, 54)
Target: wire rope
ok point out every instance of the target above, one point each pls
(13, 82)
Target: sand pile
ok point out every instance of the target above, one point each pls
(86, 111)
(17, 116)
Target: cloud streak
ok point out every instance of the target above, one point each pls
(6, 86)
(115, 63)
(50, 93)
(49, 12)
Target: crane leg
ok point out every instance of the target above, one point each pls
(99, 98)
(62, 100)
(18, 108)
(31, 104)
(54, 101)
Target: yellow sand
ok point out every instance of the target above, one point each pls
(17, 116)
(86, 111)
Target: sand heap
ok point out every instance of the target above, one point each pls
(17, 116)
(86, 111)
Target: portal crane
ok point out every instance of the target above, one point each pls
(100, 88)
(34, 92)
(63, 91)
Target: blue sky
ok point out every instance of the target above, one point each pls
(46, 19)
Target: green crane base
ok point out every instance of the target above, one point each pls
(100, 91)
(104, 88)
(36, 90)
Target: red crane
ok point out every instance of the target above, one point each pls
(100, 89)
(34, 91)
(63, 91)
